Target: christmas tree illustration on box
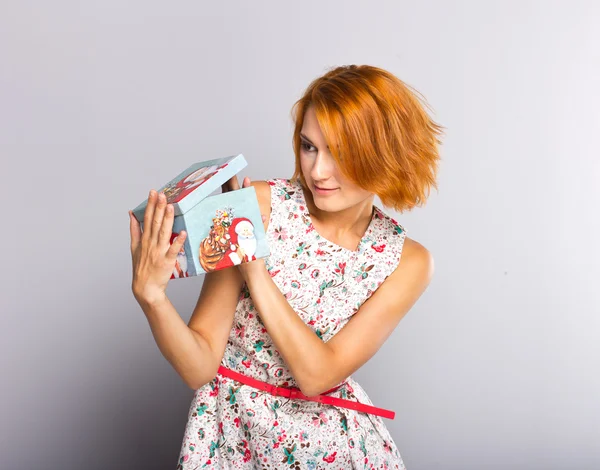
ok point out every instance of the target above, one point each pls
(223, 230)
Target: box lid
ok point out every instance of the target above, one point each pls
(195, 183)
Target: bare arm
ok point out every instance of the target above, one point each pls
(195, 350)
(316, 365)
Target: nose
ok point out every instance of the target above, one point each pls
(323, 166)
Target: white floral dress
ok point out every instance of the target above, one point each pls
(234, 426)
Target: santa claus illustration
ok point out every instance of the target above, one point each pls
(242, 232)
(180, 268)
(242, 244)
(176, 192)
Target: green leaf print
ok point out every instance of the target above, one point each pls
(321, 333)
(323, 286)
(232, 397)
(344, 423)
(275, 406)
(213, 446)
(289, 454)
(362, 445)
(301, 248)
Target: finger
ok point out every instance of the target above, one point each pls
(135, 232)
(166, 229)
(174, 249)
(159, 214)
(246, 182)
(149, 214)
(232, 183)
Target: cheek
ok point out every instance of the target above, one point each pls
(354, 193)
(305, 165)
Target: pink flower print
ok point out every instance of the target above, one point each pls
(295, 284)
(329, 458)
(387, 447)
(236, 421)
(341, 268)
(320, 252)
(240, 330)
(315, 273)
(320, 419)
(281, 233)
(379, 248)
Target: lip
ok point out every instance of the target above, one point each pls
(324, 191)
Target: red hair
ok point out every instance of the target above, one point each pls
(378, 132)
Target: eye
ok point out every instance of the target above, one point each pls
(307, 147)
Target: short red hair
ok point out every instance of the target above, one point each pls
(377, 130)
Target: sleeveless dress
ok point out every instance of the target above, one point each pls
(234, 426)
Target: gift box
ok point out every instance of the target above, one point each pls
(223, 230)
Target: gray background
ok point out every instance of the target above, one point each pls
(497, 364)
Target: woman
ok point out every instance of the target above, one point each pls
(271, 344)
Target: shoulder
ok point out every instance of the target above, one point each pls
(264, 193)
(415, 260)
(416, 264)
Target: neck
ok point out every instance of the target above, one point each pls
(352, 221)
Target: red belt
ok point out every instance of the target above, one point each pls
(295, 393)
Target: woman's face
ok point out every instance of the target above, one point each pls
(320, 170)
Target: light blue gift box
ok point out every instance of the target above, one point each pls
(223, 230)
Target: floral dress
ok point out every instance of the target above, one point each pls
(234, 426)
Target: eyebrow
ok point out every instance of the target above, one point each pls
(308, 140)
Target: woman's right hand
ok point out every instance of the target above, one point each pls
(153, 256)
